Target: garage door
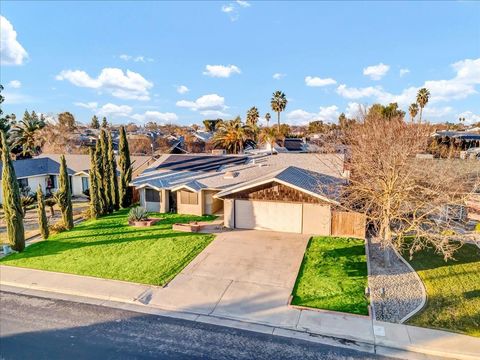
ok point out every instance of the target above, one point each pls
(268, 215)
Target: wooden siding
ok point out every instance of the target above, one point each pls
(349, 224)
(275, 192)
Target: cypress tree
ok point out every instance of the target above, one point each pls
(126, 195)
(95, 209)
(95, 123)
(64, 196)
(114, 179)
(12, 206)
(104, 123)
(42, 215)
(99, 175)
(107, 173)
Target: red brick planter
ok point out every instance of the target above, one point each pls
(144, 223)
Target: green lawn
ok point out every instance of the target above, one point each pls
(453, 290)
(333, 276)
(109, 248)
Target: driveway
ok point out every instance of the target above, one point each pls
(246, 275)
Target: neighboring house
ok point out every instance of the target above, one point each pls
(38, 171)
(285, 192)
(80, 164)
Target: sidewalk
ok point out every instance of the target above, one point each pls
(357, 332)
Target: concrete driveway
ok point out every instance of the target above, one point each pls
(246, 275)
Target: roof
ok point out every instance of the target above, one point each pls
(81, 162)
(318, 185)
(458, 135)
(37, 166)
(294, 144)
(197, 172)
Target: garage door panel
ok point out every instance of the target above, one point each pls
(268, 215)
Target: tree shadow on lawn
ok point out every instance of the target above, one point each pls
(55, 247)
(343, 257)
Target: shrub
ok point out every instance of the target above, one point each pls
(58, 227)
(137, 214)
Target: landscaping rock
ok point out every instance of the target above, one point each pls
(403, 290)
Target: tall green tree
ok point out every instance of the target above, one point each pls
(413, 110)
(99, 175)
(423, 96)
(114, 194)
(95, 124)
(12, 206)
(95, 209)
(5, 121)
(278, 103)
(268, 117)
(107, 171)
(104, 123)
(252, 116)
(126, 193)
(64, 195)
(25, 134)
(231, 136)
(66, 120)
(42, 215)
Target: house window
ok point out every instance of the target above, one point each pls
(188, 198)
(51, 182)
(22, 183)
(85, 184)
(152, 195)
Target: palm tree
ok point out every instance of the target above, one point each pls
(413, 110)
(252, 116)
(231, 135)
(268, 136)
(268, 117)
(24, 133)
(278, 104)
(422, 100)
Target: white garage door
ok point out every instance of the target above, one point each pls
(268, 215)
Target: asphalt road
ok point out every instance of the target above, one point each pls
(38, 328)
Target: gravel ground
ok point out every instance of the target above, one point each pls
(402, 289)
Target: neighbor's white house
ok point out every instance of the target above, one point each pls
(44, 171)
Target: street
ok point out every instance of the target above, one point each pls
(38, 328)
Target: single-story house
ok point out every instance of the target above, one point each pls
(288, 192)
(38, 171)
(44, 170)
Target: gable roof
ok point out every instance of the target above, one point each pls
(321, 186)
(308, 171)
(36, 166)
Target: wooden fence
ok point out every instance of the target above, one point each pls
(349, 224)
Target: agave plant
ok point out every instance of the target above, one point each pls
(137, 214)
(26, 202)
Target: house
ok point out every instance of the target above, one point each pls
(38, 171)
(289, 192)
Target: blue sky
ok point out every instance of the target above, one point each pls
(183, 62)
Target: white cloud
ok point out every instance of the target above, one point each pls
(214, 114)
(243, 3)
(404, 72)
(221, 71)
(90, 105)
(460, 86)
(115, 110)
(279, 76)
(376, 72)
(16, 84)
(358, 93)
(128, 85)
(228, 8)
(139, 58)
(315, 81)
(437, 112)
(470, 117)
(11, 51)
(354, 109)
(204, 103)
(302, 117)
(156, 116)
(182, 89)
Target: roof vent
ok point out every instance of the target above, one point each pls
(229, 175)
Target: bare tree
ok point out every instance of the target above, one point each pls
(410, 202)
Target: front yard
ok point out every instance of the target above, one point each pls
(453, 290)
(333, 276)
(110, 248)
